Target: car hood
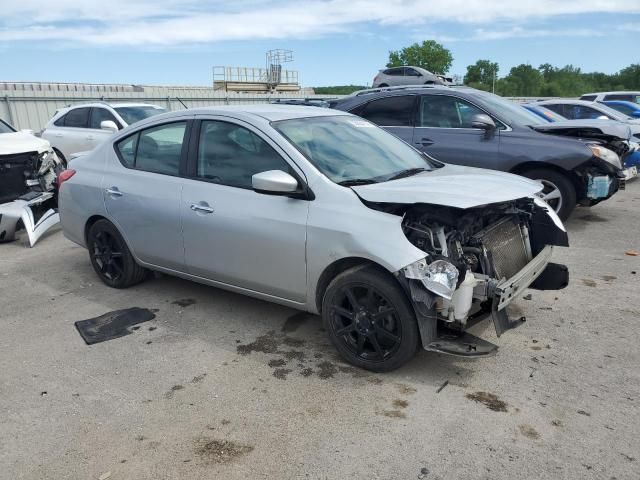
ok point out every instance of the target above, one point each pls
(604, 129)
(21, 142)
(453, 186)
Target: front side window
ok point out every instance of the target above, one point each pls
(5, 127)
(156, 149)
(390, 111)
(78, 118)
(347, 148)
(441, 111)
(230, 155)
(621, 107)
(410, 72)
(99, 115)
(581, 112)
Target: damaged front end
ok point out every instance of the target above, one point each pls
(28, 194)
(477, 262)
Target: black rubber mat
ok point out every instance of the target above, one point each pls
(112, 325)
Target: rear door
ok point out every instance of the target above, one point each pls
(233, 234)
(395, 114)
(443, 130)
(142, 192)
(69, 133)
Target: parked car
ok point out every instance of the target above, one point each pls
(544, 113)
(584, 110)
(82, 127)
(605, 96)
(321, 211)
(408, 75)
(465, 126)
(630, 109)
(28, 170)
(631, 162)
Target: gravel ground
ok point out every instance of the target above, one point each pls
(220, 385)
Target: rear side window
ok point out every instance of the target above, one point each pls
(99, 115)
(156, 149)
(230, 155)
(588, 98)
(620, 96)
(441, 111)
(581, 112)
(558, 108)
(410, 72)
(390, 111)
(78, 118)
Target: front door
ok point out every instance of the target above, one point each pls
(233, 234)
(142, 193)
(443, 130)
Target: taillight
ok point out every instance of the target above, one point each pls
(65, 175)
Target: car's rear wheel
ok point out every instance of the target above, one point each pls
(558, 190)
(370, 320)
(111, 258)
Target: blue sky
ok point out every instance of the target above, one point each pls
(176, 42)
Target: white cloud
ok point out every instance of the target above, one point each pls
(173, 22)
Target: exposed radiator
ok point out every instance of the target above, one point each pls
(507, 245)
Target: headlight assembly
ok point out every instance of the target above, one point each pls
(439, 276)
(606, 155)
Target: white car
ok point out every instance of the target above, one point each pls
(28, 169)
(83, 127)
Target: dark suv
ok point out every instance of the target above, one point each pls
(465, 126)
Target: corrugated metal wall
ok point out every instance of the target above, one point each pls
(31, 105)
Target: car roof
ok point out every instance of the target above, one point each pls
(617, 92)
(271, 112)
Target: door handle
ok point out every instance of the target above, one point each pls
(58, 135)
(425, 142)
(90, 137)
(201, 208)
(114, 192)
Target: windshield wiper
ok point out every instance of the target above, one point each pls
(407, 173)
(352, 182)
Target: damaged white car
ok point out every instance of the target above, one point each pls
(28, 175)
(321, 211)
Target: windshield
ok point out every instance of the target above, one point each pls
(135, 114)
(510, 111)
(347, 148)
(5, 127)
(614, 114)
(545, 113)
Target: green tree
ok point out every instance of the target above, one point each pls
(429, 55)
(481, 75)
(522, 81)
(630, 77)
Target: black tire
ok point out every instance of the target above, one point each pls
(382, 85)
(377, 332)
(111, 258)
(552, 179)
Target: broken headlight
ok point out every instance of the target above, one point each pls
(439, 276)
(607, 155)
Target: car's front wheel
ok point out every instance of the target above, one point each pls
(558, 190)
(111, 258)
(370, 320)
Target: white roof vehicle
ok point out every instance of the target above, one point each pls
(80, 128)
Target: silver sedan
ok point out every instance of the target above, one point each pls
(321, 211)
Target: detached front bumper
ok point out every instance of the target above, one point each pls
(539, 273)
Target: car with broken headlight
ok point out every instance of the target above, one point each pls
(320, 211)
(28, 174)
(465, 126)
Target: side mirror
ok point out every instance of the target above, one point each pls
(483, 122)
(274, 182)
(108, 125)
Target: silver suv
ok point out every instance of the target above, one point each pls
(392, 77)
(321, 211)
(82, 127)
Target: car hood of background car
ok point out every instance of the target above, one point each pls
(21, 142)
(603, 129)
(453, 186)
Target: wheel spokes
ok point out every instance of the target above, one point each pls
(383, 332)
